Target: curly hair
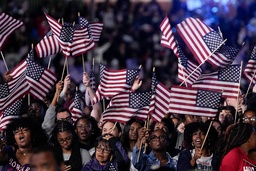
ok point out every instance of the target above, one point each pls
(38, 136)
(194, 127)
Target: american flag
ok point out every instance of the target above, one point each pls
(193, 101)
(9, 114)
(200, 39)
(225, 79)
(73, 40)
(75, 107)
(13, 90)
(185, 66)
(40, 80)
(160, 100)
(48, 46)
(224, 56)
(125, 105)
(251, 67)
(94, 29)
(114, 82)
(92, 85)
(7, 26)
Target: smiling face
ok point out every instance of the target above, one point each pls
(83, 129)
(65, 139)
(22, 137)
(198, 138)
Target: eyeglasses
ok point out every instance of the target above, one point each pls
(249, 119)
(87, 127)
(20, 130)
(65, 119)
(104, 150)
(67, 139)
(160, 138)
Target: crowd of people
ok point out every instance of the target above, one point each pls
(47, 137)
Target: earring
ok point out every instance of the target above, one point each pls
(192, 144)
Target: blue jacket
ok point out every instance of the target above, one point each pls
(147, 161)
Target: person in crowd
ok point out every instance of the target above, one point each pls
(22, 136)
(87, 130)
(109, 155)
(66, 144)
(233, 152)
(158, 142)
(249, 116)
(110, 128)
(37, 110)
(167, 125)
(130, 136)
(226, 116)
(43, 158)
(197, 154)
(217, 125)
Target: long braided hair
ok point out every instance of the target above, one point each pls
(236, 135)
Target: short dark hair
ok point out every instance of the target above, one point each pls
(62, 109)
(47, 148)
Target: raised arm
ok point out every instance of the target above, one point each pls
(49, 118)
(97, 110)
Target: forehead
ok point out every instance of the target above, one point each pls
(35, 105)
(135, 124)
(249, 113)
(83, 121)
(42, 157)
(158, 132)
(64, 134)
(61, 115)
(225, 112)
(108, 125)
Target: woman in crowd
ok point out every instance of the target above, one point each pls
(109, 155)
(167, 125)
(195, 156)
(22, 135)
(158, 156)
(249, 116)
(67, 148)
(110, 129)
(234, 151)
(87, 131)
(130, 136)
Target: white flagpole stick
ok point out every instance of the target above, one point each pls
(49, 62)
(83, 62)
(249, 163)
(138, 158)
(204, 60)
(250, 83)
(206, 135)
(28, 99)
(67, 66)
(4, 61)
(220, 31)
(63, 68)
(238, 91)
